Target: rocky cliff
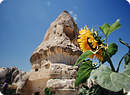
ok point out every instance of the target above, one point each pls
(60, 42)
(52, 61)
(12, 79)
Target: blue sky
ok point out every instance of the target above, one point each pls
(23, 24)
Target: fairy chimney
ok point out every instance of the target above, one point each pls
(53, 60)
(60, 42)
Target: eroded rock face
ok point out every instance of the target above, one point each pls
(13, 77)
(62, 71)
(60, 42)
(3, 72)
(21, 83)
(61, 83)
(53, 60)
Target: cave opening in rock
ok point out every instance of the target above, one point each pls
(37, 93)
(36, 70)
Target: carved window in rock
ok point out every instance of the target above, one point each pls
(37, 93)
(36, 69)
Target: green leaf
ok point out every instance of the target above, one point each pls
(111, 80)
(94, 90)
(115, 26)
(112, 49)
(47, 91)
(127, 70)
(83, 56)
(83, 72)
(107, 29)
(127, 58)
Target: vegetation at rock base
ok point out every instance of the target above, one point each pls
(109, 81)
(8, 91)
(97, 90)
(48, 91)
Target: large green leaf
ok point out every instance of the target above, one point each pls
(83, 72)
(127, 70)
(111, 80)
(83, 56)
(107, 29)
(94, 90)
(112, 49)
(115, 25)
(127, 59)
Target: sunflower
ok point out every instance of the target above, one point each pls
(97, 55)
(88, 42)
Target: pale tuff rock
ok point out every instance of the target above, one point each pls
(62, 71)
(11, 75)
(90, 83)
(22, 83)
(62, 86)
(60, 42)
(14, 77)
(55, 71)
(53, 59)
(61, 83)
(3, 72)
(48, 71)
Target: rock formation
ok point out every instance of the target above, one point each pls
(60, 42)
(52, 64)
(53, 60)
(12, 77)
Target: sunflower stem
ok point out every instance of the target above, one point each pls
(120, 62)
(122, 42)
(106, 40)
(110, 62)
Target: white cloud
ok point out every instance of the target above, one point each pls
(71, 12)
(128, 1)
(1, 1)
(73, 15)
(48, 3)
